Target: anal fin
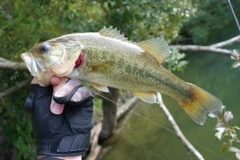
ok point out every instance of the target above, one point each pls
(149, 97)
(100, 87)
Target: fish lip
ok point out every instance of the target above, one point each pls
(36, 68)
(27, 60)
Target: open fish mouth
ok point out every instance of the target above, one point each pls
(37, 69)
(34, 66)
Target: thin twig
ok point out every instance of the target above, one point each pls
(179, 133)
(14, 88)
(227, 42)
(214, 48)
(197, 48)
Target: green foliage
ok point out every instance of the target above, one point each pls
(24, 23)
(212, 16)
(16, 127)
(175, 61)
(141, 20)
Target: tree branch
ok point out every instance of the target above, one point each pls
(197, 48)
(14, 88)
(215, 48)
(6, 64)
(177, 130)
(227, 42)
(109, 114)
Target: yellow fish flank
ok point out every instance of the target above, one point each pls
(107, 58)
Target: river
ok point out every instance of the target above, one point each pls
(147, 137)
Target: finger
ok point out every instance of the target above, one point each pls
(57, 83)
(56, 108)
(54, 80)
(82, 94)
(34, 81)
(66, 92)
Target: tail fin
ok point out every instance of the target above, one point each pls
(199, 104)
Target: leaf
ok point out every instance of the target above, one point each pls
(238, 155)
(236, 150)
(236, 64)
(219, 135)
(221, 126)
(213, 114)
(236, 127)
(233, 149)
(225, 147)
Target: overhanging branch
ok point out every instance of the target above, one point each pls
(196, 48)
(6, 64)
(227, 42)
(214, 48)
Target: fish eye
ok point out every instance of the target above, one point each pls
(44, 48)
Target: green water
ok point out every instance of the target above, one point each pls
(143, 139)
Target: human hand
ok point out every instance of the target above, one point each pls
(68, 132)
(67, 91)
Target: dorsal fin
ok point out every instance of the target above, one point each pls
(112, 33)
(156, 47)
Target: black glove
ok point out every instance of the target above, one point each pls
(65, 134)
(72, 93)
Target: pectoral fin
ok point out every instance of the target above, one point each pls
(149, 97)
(156, 47)
(100, 87)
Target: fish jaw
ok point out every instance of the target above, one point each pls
(33, 66)
(37, 69)
(42, 73)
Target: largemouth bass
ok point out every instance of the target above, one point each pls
(107, 58)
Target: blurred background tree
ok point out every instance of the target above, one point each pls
(24, 23)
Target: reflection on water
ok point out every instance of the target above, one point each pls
(141, 139)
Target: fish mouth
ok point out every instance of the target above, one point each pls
(37, 69)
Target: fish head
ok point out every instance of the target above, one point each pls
(54, 57)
